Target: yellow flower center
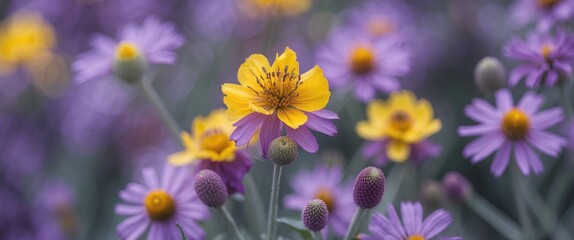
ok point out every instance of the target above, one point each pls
(402, 121)
(327, 196)
(127, 51)
(24, 37)
(379, 26)
(362, 60)
(416, 237)
(546, 50)
(547, 3)
(214, 140)
(515, 124)
(279, 87)
(160, 205)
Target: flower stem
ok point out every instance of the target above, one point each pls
(318, 236)
(230, 223)
(272, 220)
(493, 216)
(525, 220)
(166, 117)
(253, 205)
(352, 230)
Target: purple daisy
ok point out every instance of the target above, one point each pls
(546, 58)
(543, 12)
(508, 128)
(154, 41)
(363, 63)
(324, 183)
(412, 226)
(161, 203)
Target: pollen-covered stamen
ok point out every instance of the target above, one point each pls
(515, 124)
(416, 237)
(326, 195)
(215, 140)
(362, 60)
(401, 120)
(279, 87)
(126, 51)
(547, 3)
(159, 205)
(546, 50)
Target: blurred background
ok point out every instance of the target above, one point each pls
(67, 149)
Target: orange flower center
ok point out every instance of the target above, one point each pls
(515, 124)
(546, 50)
(159, 205)
(327, 196)
(279, 87)
(126, 51)
(362, 60)
(215, 140)
(547, 3)
(402, 121)
(416, 237)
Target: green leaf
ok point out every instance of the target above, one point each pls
(181, 232)
(297, 226)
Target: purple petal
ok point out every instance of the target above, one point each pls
(482, 147)
(412, 214)
(133, 227)
(546, 142)
(530, 103)
(547, 118)
(326, 114)
(246, 128)
(522, 158)
(395, 221)
(501, 159)
(125, 209)
(504, 100)
(304, 138)
(321, 125)
(270, 129)
(533, 160)
(475, 130)
(150, 178)
(435, 223)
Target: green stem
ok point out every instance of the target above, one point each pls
(523, 216)
(560, 187)
(352, 230)
(318, 236)
(545, 215)
(166, 117)
(253, 205)
(566, 100)
(230, 223)
(493, 216)
(272, 220)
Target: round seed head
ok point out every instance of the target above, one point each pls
(283, 151)
(210, 188)
(369, 187)
(315, 215)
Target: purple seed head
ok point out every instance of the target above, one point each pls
(315, 215)
(456, 187)
(283, 151)
(369, 187)
(210, 188)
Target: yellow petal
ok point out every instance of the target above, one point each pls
(187, 140)
(287, 59)
(292, 117)
(252, 69)
(398, 151)
(237, 99)
(181, 158)
(369, 130)
(313, 93)
(377, 111)
(260, 109)
(403, 101)
(423, 111)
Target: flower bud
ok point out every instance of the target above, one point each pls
(456, 187)
(129, 64)
(369, 187)
(210, 188)
(283, 151)
(315, 215)
(431, 194)
(490, 75)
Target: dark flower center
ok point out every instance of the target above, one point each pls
(515, 124)
(362, 60)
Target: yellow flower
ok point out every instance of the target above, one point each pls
(209, 140)
(274, 8)
(276, 89)
(23, 38)
(402, 120)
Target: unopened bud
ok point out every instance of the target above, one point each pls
(456, 187)
(315, 215)
(431, 194)
(369, 187)
(129, 64)
(210, 188)
(490, 75)
(283, 151)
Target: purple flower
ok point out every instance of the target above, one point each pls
(412, 226)
(356, 60)
(508, 128)
(545, 12)
(154, 41)
(324, 183)
(546, 58)
(160, 203)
